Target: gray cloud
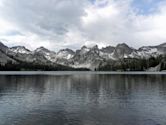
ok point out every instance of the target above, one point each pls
(72, 23)
(47, 17)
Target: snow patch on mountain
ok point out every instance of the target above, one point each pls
(50, 55)
(147, 52)
(66, 54)
(19, 49)
(86, 57)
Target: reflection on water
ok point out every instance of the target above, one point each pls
(83, 100)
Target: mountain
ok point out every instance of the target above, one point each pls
(4, 58)
(49, 55)
(123, 51)
(19, 49)
(85, 57)
(152, 51)
(22, 54)
(66, 54)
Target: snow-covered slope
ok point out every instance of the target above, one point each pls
(19, 49)
(151, 51)
(107, 52)
(65, 54)
(87, 57)
(50, 55)
(146, 52)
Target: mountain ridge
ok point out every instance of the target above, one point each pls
(85, 57)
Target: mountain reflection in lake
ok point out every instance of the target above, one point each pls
(83, 100)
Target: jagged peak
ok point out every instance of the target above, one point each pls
(84, 47)
(108, 49)
(42, 49)
(89, 46)
(21, 47)
(125, 46)
(122, 45)
(67, 50)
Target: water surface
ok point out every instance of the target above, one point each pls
(83, 99)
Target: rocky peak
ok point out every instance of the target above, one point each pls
(122, 51)
(122, 45)
(84, 47)
(83, 50)
(42, 49)
(67, 51)
(20, 49)
(108, 49)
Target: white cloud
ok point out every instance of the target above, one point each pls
(59, 24)
(118, 22)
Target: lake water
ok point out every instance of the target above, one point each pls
(83, 99)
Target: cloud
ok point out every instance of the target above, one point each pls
(59, 24)
(44, 17)
(118, 22)
(50, 20)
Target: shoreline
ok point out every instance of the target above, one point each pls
(80, 73)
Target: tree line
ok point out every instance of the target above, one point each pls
(23, 66)
(133, 64)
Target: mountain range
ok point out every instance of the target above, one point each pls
(86, 57)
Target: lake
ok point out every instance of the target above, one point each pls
(66, 98)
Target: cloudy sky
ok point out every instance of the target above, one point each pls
(57, 24)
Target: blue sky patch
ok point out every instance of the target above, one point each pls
(146, 6)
